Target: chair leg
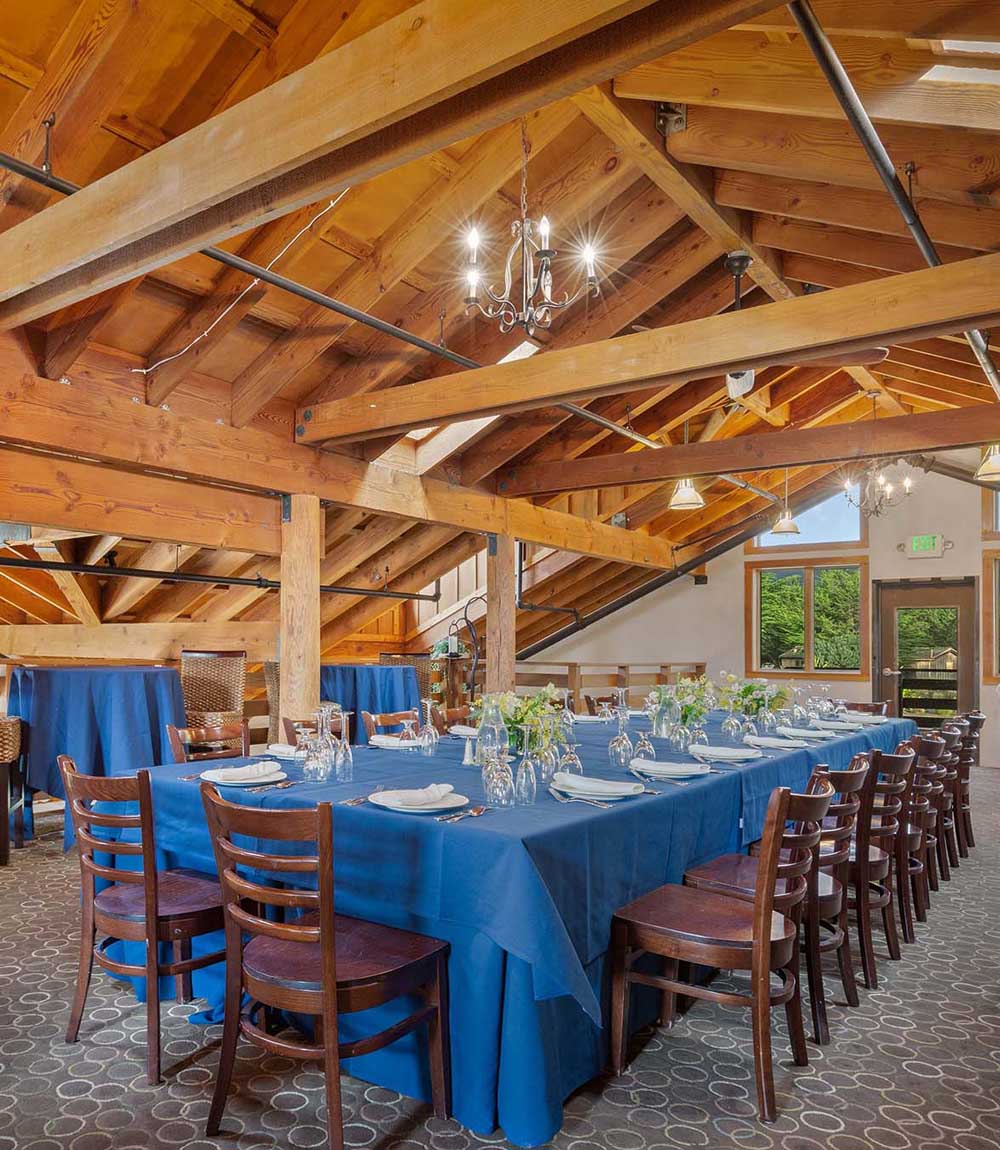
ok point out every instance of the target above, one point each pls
(763, 1069)
(951, 845)
(865, 942)
(227, 1053)
(793, 1011)
(152, 1010)
(331, 1073)
(845, 959)
(931, 864)
(668, 998)
(182, 982)
(942, 861)
(889, 927)
(85, 970)
(5, 796)
(439, 1042)
(918, 890)
(970, 838)
(904, 901)
(814, 971)
(619, 1000)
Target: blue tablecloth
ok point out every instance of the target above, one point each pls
(525, 896)
(368, 687)
(109, 720)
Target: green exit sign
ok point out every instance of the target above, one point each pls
(926, 546)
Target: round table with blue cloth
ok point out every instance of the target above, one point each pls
(369, 687)
(109, 720)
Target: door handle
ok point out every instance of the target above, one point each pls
(889, 671)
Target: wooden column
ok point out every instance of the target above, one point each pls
(301, 551)
(501, 621)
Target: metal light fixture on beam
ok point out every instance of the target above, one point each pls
(530, 304)
(785, 524)
(686, 497)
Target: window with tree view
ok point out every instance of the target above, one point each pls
(809, 618)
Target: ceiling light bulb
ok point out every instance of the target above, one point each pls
(880, 479)
(887, 488)
(907, 484)
(590, 259)
(543, 231)
(990, 466)
(686, 497)
(847, 485)
(473, 241)
(472, 278)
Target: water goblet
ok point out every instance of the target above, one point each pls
(547, 751)
(408, 740)
(620, 749)
(312, 761)
(680, 739)
(644, 748)
(526, 779)
(747, 727)
(766, 721)
(570, 762)
(428, 734)
(732, 726)
(498, 782)
(345, 761)
(604, 712)
(699, 737)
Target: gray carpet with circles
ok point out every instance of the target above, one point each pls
(916, 1067)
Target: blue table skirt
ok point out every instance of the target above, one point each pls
(524, 896)
(109, 720)
(368, 687)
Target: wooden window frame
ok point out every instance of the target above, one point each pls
(990, 662)
(990, 532)
(751, 547)
(750, 612)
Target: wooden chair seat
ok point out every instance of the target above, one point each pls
(180, 894)
(878, 861)
(703, 918)
(365, 952)
(736, 875)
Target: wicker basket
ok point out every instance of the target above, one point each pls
(213, 683)
(10, 739)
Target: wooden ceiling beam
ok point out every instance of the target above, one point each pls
(82, 592)
(148, 642)
(125, 594)
(168, 602)
(743, 71)
(633, 129)
(455, 71)
(242, 20)
(900, 435)
(865, 209)
(892, 19)
(68, 419)
(929, 302)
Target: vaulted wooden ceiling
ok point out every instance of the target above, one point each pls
(764, 161)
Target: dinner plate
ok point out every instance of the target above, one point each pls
(600, 796)
(865, 719)
(447, 803)
(589, 719)
(259, 780)
(654, 770)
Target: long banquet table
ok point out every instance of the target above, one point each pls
(525, 897)
(371, 687)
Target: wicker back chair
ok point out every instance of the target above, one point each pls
(214, 686)
(272, 684)
(11, 785)
(420, 663)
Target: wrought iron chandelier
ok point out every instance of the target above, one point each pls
(876, 495)
(530, 304)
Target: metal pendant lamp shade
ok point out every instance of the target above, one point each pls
(686, 497)
(990, 466)
(786, 524)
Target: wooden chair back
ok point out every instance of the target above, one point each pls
(182, 739)
(842, 817)
(894, 778)
(83, 792)
(389, 719)
(443, 719)
(595, 702)
(866, 708)
(798, 855)
(288, 726)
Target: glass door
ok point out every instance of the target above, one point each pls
(927, 649)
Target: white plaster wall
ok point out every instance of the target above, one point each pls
(684, 622)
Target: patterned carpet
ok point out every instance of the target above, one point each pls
(917, 1067)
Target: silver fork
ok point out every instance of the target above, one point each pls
(643, 779)
(358, 800)
(471, 813)
(590, 802)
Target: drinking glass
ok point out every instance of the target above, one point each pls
(732, 726)
(620, 750)
(748, 726)
(547, 751)
(526, 780)
(766, 721)
(493, 735)
(680, 739)
(699, 737)
(427, 735)
(604, 712)
(312, 762)
(303, 735)
(408, 740)
(644, 748)
(570, 761)
(345, 759)
(498, 783)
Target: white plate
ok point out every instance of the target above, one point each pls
(589, 719)
(865, 719)
(274, 777)
(710, 754)
(448, 803)
(654, 770)
(600, 796)
(805, 733)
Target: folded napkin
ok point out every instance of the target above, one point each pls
(283, 750)
(564, 781)
(245, 774)
(836, 725)
(724, 754)
(464, 730)
(657, 770)
(423, 797)
(768, 741)
(387, 742)
(864, 718)
(805, 733)
(588, 719)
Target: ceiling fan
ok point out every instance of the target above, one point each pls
(740, 383)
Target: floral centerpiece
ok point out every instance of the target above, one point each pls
(749, 696)
(693, 697)
(517, 710)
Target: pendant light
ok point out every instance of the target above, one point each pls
(990, 466)
(786, 524)
(686, 496)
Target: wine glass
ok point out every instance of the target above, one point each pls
(620, 749)
(644, 748)
(680, 739)
(748, 726)
(428, 735)
(498, 783)
(312, 763)
(408, 740)
(570, 761)
(345, 759)
(604, 712)
(699, 737)
(547, 752)
(526, 779)
(732, 726)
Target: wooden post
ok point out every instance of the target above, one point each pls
(301, 551)
(574, 683)
(500, 613)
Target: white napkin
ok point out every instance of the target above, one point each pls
(657, 770)
(805, 733)
(424, 797)
(778, 744)
(283, 750)
(464, 730)
(836, 725)
(386, 742)
(244, 774)
(588, 719)
(724, 754)
(865, 719)
(564, 781)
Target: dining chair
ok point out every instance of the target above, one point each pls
(191, 744)
(594, 703)
(288, 726)
(13, 749)
(317, 963)
(971, 745)
(142, 904)
(951, 801)
(695, 925)
(823, 912)
(866, 708)
(444, 718)
(212, 681)
(373, 723)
